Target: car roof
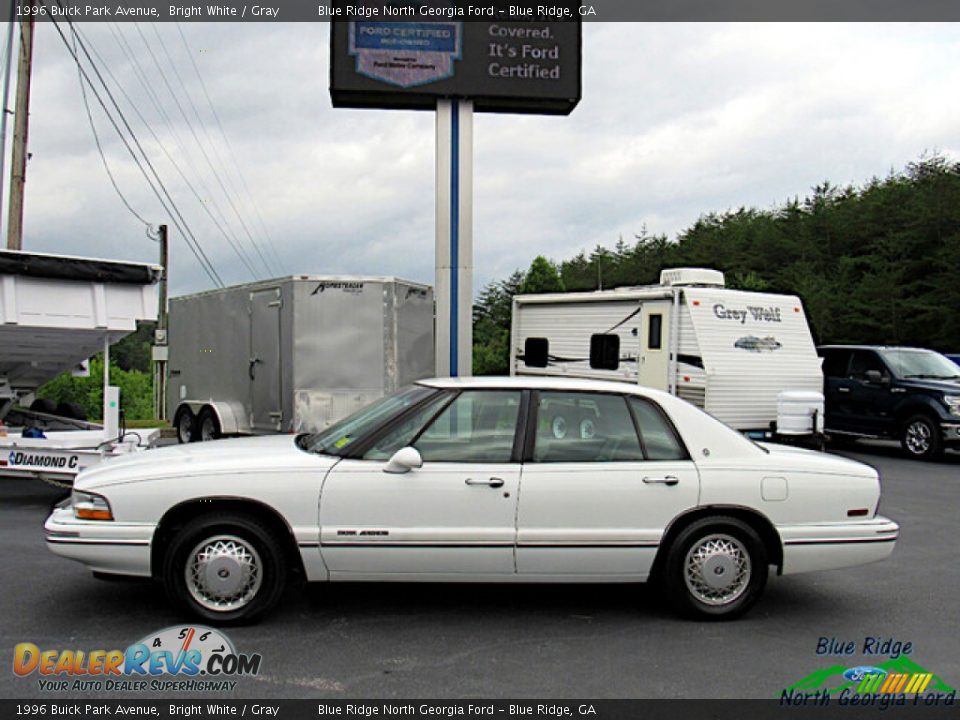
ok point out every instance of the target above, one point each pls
(541, 382)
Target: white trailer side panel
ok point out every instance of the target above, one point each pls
(753, 346)
(568, 327)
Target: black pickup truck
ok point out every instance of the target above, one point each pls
(909, 394)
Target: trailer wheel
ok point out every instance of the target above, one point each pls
(44, 405)
(185, 425)
(72, 410)
(208, 425)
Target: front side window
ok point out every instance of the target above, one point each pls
(864, 361)
(337, 439)
(584, 427)
(405, 430)
(478, 427)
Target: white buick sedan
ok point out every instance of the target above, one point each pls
(479, 480)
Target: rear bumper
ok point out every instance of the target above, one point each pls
(837, 545)
(107, 547)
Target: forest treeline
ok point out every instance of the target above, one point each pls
(876, 263)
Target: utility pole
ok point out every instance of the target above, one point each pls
(21, 126)
(160, 336)
(7, 70)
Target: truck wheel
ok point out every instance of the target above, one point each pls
(920, 438)
(225, 568)
(72, 410)
(185, 425)
(716, 569)
(208, 425)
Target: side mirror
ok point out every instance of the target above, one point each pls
(875, 377)
(403, 461)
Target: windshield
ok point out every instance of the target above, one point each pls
(920, 364)
(337, 438)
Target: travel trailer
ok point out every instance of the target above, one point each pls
(745, 357)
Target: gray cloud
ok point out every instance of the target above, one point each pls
(676, 120)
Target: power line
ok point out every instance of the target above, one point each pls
(234, 246)
(193, 132)
(232, 152)
(176, 216)
(96, 138)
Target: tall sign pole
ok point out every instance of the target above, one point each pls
(454, 239)
(455, 66)
(21, 125)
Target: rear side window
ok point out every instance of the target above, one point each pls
(585, 427)
(835, 363)
(659, 439)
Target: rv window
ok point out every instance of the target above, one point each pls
(536, 351)
(655, 333)
(604, 352)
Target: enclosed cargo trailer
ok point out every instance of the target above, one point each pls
(293, 354)
(747, 358)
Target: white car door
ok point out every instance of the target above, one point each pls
(454, 516)
(595, 497)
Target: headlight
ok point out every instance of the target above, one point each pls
(87, 506)
(953, 403)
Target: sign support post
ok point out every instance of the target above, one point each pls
(454, 239)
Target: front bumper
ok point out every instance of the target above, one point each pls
(107, 547)
(951, 433)
(837, 545)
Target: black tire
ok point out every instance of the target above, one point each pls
(920, 437)
(72, 410)
(208, 426)
(185, 425)
(242, 537)
(740, 549)
(44, 405)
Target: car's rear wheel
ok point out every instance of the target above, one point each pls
(716, 569)
(225, 568)
(184, 423)
(920, 438)
(208, 425)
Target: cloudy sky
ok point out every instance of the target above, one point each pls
(676, 120)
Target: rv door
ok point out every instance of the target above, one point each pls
(654, 365)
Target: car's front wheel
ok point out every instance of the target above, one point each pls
(716, 569)
(920, 437)
(225, 568)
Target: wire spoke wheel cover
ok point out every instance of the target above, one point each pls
(223, 573)
(717, 569)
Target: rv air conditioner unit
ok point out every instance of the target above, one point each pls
(703, 277)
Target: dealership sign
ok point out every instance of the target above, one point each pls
(528, 66)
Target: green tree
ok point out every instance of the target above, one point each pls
(542, 277)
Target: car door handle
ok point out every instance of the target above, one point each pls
(670, 480)
(843, 389)
(491, 482)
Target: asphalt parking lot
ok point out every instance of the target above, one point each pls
(590, 641)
